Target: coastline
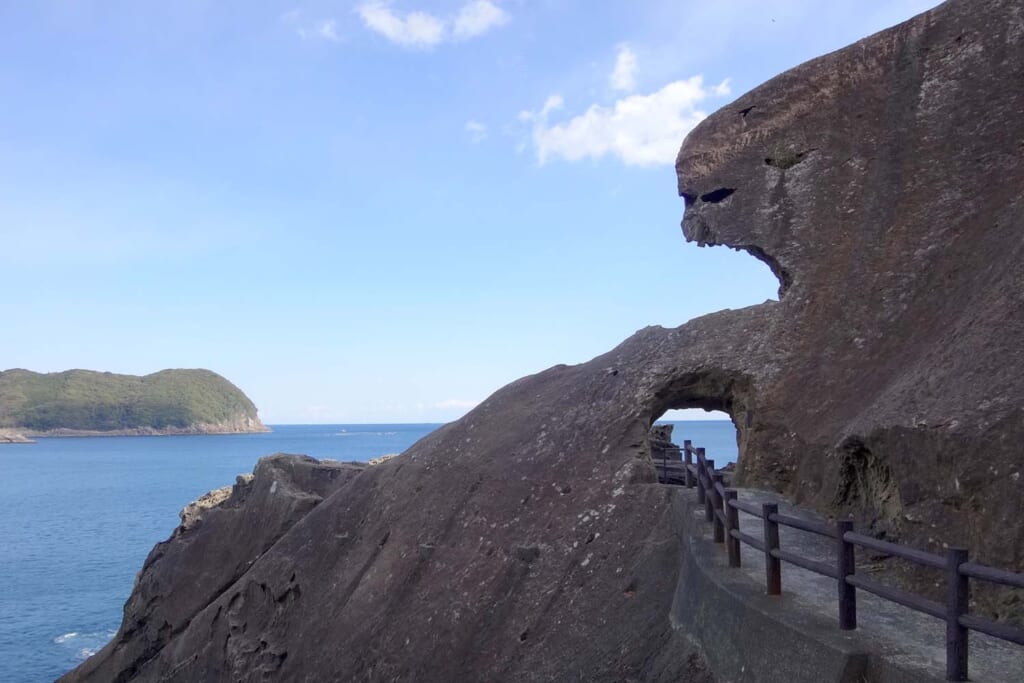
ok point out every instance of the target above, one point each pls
(13, 437)
(195, 430)
(28, 436)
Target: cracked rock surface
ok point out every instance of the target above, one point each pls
(883, 185)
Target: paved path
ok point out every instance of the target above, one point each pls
(903, 637)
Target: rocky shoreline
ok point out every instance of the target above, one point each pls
(256, 428)
(10, 436)
(29, 436)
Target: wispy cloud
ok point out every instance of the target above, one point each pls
(320, 29)
(423, 30)
(641, 130)
(623, 76)
(328, 29)
(414, 29)
(477, 131)
(477, 18)
(456, 403)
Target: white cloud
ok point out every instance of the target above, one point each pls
(456, 403)
(623, 76)
(328, 29)
(478, 17)
(325, 29)
(415, 29)
(552, 103)
(477, 131)
(424, 30)
(642, 130)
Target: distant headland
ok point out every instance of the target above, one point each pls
(89, 403)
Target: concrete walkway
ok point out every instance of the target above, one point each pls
(891, 643)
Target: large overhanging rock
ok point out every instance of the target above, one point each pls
(527, 541)
(884, 186)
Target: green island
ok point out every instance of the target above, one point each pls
(86, 402)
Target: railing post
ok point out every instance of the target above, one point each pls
(957, 596)
(772, 565)
(688, 461)
(846, 566)
(701, 493)
(709, 494)
(732, 521)
(718, 502)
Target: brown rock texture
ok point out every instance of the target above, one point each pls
(883, 185)
(528, 541)
(221, 536)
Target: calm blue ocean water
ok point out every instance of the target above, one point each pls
(79, 515)
(717, 437)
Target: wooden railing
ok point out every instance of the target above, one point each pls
(722, 507)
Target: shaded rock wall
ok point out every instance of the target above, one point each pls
(883, 184)
(528, 541)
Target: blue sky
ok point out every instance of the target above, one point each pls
(369, 211)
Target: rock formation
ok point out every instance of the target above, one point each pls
(659, 440)
(11, 436)
(220, 537)
(883, 186)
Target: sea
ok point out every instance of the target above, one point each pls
(79, 515)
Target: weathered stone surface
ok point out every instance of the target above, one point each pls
(192, 513)
(221, 535)
(381, 459)
(883, 185)
(527, 541)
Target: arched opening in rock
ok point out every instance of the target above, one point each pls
(710, 407)
(711, 429)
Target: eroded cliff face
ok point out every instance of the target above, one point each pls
(220, 537)
(528, 541)
(883, 185)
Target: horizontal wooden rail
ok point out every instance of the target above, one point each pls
(721, 507)
(900, 597)
(748, 539)
(810, 565)
(980, 571)
(912, 554)
(812, 526)
(749, 508)
(1014, 634)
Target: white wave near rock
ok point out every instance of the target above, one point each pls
(85, 645)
